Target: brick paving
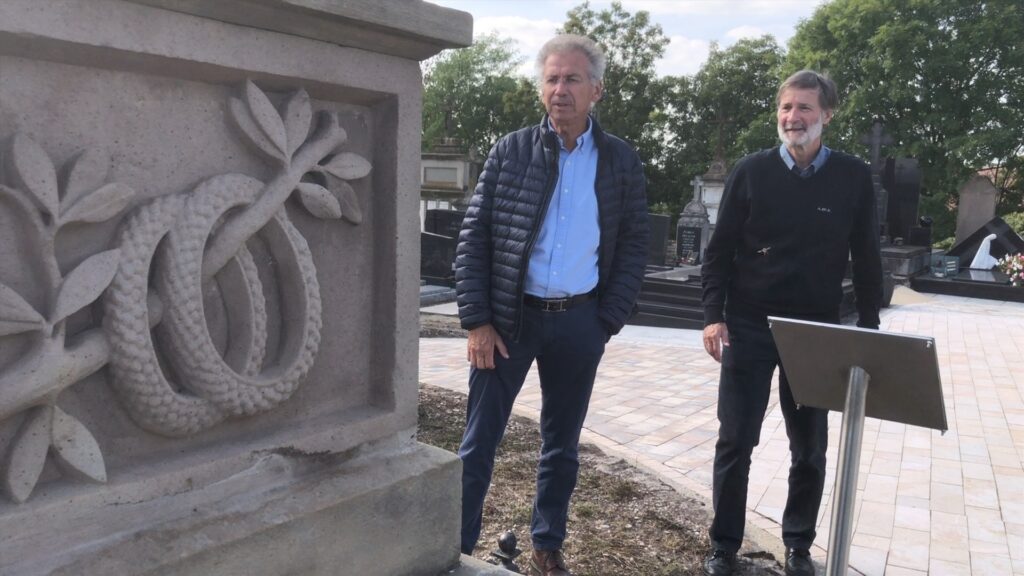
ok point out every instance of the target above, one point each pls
(926, 503)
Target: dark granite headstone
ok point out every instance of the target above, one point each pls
(692, 231)
(659, 238)
(902, 180)
(688, 244)
(985, 276)
(443, 222)
(437, 259)
(1007, 242)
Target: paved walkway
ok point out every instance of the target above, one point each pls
(927, 503)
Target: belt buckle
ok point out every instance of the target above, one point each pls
(553, 305)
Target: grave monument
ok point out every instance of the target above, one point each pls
(208, 278)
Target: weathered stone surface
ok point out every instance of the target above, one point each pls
(284, 512)
(222, 213)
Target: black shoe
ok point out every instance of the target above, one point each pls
(798, 562)
(720, 563)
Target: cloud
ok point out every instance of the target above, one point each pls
(683, 56)
(529, 35)
(744, 32)
(713, 7)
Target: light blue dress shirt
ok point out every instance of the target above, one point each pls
(815, 166)
(564, 257)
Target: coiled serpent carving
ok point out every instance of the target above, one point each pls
(209, 387)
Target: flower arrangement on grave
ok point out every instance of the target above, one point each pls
(1013, 266)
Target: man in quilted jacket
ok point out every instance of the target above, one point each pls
(549, 264)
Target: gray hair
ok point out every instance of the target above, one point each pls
(828, 96)
(568, 43)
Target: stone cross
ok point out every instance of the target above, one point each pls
(876, 138)
(720, 121)
(697, 183)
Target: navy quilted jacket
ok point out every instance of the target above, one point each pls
(504, 217)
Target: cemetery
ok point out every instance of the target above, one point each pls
(220, 223)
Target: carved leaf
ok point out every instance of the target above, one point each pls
(348, 166)
(319, 201)
(297, 116)
(85, 172)
(34, 171)
(245, 122)
(17, 315)
(101, 205)
(349, 202)
(85, 283)
(76, 450)
(28, 454)
(266, 116)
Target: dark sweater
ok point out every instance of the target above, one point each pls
(781, 242)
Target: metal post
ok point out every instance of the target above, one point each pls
(845, 491)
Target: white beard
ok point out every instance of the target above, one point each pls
(810, 134)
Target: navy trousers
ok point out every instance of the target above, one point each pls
(743, 391)
(567, 347)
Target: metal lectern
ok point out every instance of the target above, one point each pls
(829, 366)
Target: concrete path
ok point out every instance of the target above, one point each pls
(927, 503)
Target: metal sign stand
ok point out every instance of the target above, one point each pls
(830, 366)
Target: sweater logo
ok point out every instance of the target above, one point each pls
(824, 209)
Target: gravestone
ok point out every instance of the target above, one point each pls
(875, 139)
(710, 187)
(1007, 241)
(659, 238)
(901, 179)
(693, 231)
(208, 269)
(437, 259)
(444, 222)
(977, 205)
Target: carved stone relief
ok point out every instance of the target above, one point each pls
(165, 366)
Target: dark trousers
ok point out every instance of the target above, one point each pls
(567, 346)
(744, 388)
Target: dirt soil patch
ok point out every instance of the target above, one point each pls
(622, 521)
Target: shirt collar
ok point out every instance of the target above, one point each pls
(583, 138)
(816, 164)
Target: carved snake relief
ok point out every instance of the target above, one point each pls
(170, 235)
(170, 252)
(210, 387)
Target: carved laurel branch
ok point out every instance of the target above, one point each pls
(32, 384)
(48, 203)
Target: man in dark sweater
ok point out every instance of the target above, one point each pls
(790, 219)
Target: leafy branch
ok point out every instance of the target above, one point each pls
(36, 379)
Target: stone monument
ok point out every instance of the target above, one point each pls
(977, 206)
(712, 186)
(208, 279)
(693, 231)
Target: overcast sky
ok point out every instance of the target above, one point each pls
(691, 25)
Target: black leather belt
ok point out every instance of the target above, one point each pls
(558, 304)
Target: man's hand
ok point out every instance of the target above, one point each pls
(716, 336)
(482, 342)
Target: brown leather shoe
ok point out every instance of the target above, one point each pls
(548, 563)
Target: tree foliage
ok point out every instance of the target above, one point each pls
(475, 94)
(633, 94)
(726, 109)
(946, 77)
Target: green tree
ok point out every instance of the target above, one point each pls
(727, 107)
(946, 77)
(633, 94)
(475, 94)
